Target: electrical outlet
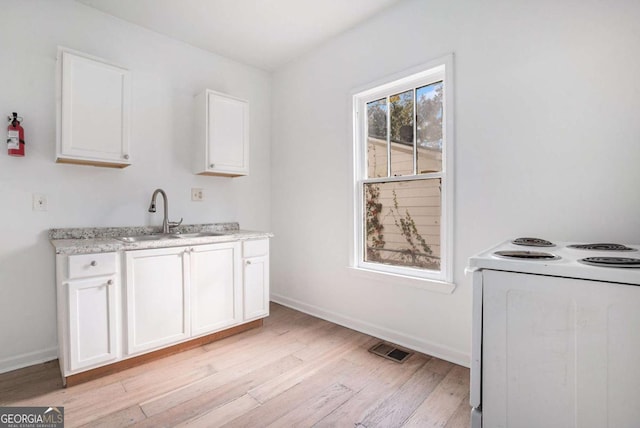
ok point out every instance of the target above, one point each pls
(197, 195)
(39, 202)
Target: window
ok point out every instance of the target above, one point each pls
(403, 174)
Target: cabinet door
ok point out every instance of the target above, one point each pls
(216, 288)
(226, 135)
(157, 298)
(92, 322)
(93, 112)
(256, 287)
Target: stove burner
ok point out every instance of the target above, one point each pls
(526, 255)
(532, 242)
(623, 262)
(602, 247)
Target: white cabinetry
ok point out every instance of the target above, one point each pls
(216, 291)
(171, 296)
(157, 296)
(92, 323)
(177, 293)
(88, 314)
(256, 278)
(222, 135)
(93, 111)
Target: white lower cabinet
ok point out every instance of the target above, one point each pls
(216, 291)
(256, 279)
(157, 298)
(88, 302)
(92, 322)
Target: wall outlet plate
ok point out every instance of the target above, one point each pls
(197, 194)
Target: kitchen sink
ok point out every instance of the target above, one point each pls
(199, 234)
(162, 236)
(142, 238)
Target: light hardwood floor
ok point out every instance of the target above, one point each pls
(296, 371)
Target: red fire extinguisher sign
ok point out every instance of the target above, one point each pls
(15, 136)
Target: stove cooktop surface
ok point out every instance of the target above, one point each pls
(612, 262)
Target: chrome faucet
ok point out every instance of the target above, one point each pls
(166, 224)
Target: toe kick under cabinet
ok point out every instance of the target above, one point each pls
(121, 305)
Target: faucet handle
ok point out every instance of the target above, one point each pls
(175, 223)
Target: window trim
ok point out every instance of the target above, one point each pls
(437, 69)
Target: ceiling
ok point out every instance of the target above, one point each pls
(263, 33)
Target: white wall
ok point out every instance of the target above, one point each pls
(166, 74)
(547, 112)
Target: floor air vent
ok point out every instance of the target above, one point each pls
(390, 352)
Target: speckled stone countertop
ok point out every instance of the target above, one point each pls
(105, 239)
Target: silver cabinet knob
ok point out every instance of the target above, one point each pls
(248, 262)
(93, 263)
(212, 165)
(110, 282)
(126, 156)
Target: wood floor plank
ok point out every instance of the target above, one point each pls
(297, 370)
(243, 365)
(281, 404)
(121, 418)
(322, 358)
(462, 416)
(316, 408)
(197, 400)
(395, 410)
(223, 414)
(32, 381)
(438, 408)
(381, 383)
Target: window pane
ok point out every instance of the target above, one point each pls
(429, 129)
(377, 138)
(401, 106)
(402, 223)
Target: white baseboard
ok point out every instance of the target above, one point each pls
(407, 341)
(28, 359)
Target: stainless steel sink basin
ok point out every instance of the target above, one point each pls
(162, 236)
(199, 234)
(142, 238)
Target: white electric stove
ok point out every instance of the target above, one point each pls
(556, 335)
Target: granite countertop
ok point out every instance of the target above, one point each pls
(104, 239)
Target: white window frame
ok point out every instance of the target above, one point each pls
(438, 69)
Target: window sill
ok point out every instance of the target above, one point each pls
(422, 283)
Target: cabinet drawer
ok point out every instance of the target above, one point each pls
(255, 248)
(85, 265)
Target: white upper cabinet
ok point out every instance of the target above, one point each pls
(222, 135)
(93, 111)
